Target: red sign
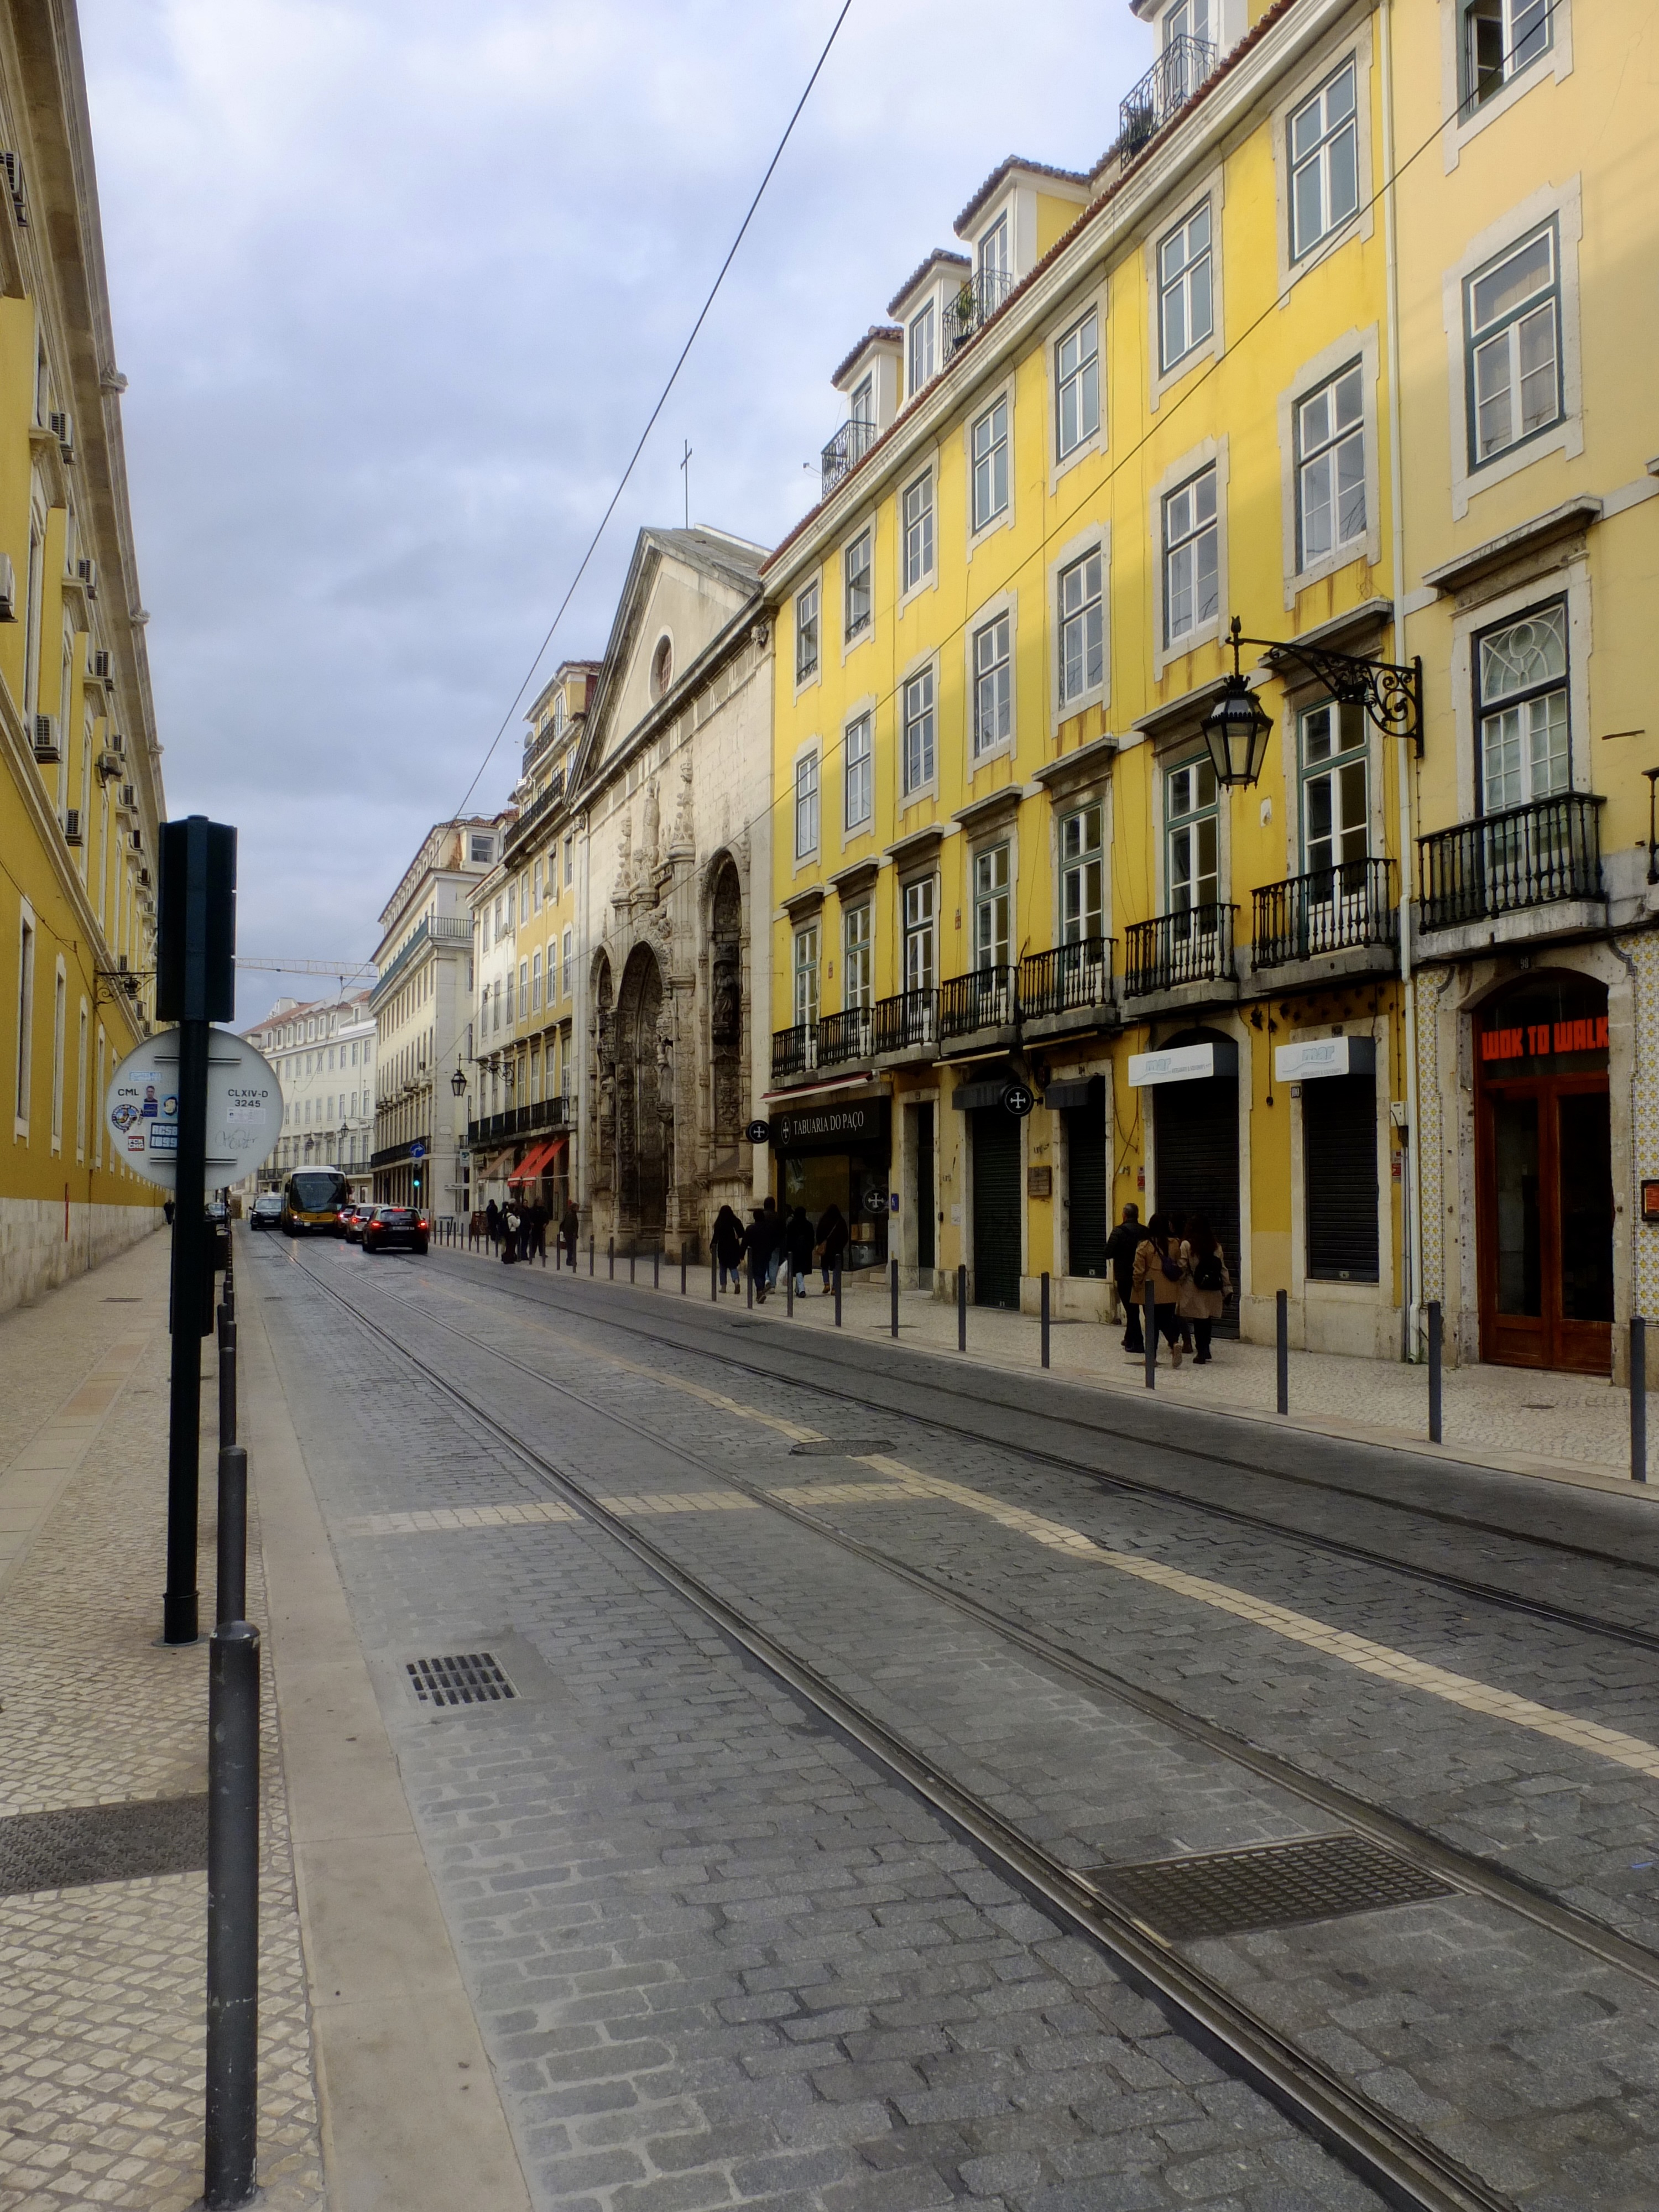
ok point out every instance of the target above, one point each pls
(1539, 1041)
(1650, 1202)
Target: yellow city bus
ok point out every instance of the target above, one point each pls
(312, 1198)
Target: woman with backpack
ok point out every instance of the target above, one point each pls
(1159, 1261)
(1208, 1286)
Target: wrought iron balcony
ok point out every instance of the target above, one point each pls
(907, 1020)
(846, 1036)
(987, 999)
(530, 1121)
(1524, 856)
(981, 295)
(794, 1052)
(1334, 909)
(1164, 90)
(1194, 945)
(845, 451)
(1075, 978)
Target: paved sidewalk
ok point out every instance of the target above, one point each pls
(1569, 1427)
(101, 1986)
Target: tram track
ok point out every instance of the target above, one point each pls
(1406, 2168)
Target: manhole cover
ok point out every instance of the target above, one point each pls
(123, 1302)
(841, 1448)
(102, 1843)
(467, 1678)
(1274, 1886)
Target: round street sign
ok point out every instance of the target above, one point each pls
(418, 1151)
(758, 1131)
(1018, 1099)
(244, 1109)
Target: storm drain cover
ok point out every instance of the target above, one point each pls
(465, 1678)
(102, 1843)
(1272, 1885)
(123, 1302)
(841, 1448)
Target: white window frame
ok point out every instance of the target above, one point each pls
(1504, 331)
(1165, 647)
(923, 325)
(1078, 378)
(59, 1045)
(101, 1066)
(1564, 202)
(1549, 580)
(1333, 53)
(991, 699)
(28, 949)
(1073, 810)
(858, 957)
(805, 938)
(918, 927)
(851, 640)
(83, 1033)
(925, 575)
(813, 588)
(808, 800)
(1002, 517)
(922, 678)
(1092, 545)
(1481, 709)
(1188, 755)
(1004, 606)
(1365, 347)
(976, 900)
(1320, 162)
(863, 765)
(1552, 66)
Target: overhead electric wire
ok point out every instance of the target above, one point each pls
(662, 401)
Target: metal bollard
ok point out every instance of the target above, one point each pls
(227, 1325)
(892, 1283)
(962, 1308)
(630, 1263)
(590, 1256)
(1045, 1318)
(1282, 1346)
(1638, 1399)
(749, 1281)
(1152, 1335)
(1434, 1370)
(684, 1264)
(789, 1293)
(232, 1592)
(610, 1256)
(713, 1273)
(837, 1289)
(232, 1944)
(656, 1270)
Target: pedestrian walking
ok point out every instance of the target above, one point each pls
(536, 1226)
(727, 1238)
(775, 1228)
(569, 1229)
(1207, 1286)
(798, 1243)
(831, 1241)
(511, 1223)
(492, 1221)
(758, 1241)
(1158, 1260)
(1121, 1249)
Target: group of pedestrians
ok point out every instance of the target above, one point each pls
(521, 1231)
(772, 1238)
(1186, 1269)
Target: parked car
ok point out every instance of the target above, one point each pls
(267, 1211)
(353, 1221)
(389, 1228)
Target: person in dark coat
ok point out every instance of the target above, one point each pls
(569, 1229)
(727, 1241)
(799, 1242)
(512, 1220)
(535, 1233)
(831, 1241)
(759, 1241)
(492, 1221)
(1120, 1248)
(774, 1222)
(1158, 1261)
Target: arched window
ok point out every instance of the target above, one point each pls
(662, 666)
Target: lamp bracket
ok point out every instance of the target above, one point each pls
(1392, 695)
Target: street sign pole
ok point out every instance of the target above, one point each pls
(194, 986)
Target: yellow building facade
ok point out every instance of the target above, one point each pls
(1528, 322)
(80, 789)
(1125, 407)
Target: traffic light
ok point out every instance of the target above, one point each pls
(418, 1188)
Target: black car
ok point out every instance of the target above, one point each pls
(389, 1228)
(267, 1211)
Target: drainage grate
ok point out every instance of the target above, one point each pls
(102, 1843)
(841, 1448)
(1274, 1886)
(123, 1302)
(466, 1678)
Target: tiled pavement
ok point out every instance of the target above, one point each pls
(101, 1987)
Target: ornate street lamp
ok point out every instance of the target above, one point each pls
(458, 1084)
(1237, 729)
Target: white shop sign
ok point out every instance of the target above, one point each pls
(244, 1110)
(1183, 1063)
(1317, 1056)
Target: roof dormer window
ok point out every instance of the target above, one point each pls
(924, 354)
(994, 249)
(558, 718)
(863, 409)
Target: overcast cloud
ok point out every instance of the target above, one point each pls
(396, 284)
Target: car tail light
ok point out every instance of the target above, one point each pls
(423, 1227)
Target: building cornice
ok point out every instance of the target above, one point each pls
(1570, 519)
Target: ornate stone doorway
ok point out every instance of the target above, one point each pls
(644, 1101)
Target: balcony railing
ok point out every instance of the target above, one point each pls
(845, 451)
(907, 1020)
(1074, 978)
(981, 295)
(1525, 856)
(794, 1052)
(530, 1121)
(846, 1036)
(1164, 90)
(535, 813)
(987, 999)
(1193, 946)
(1334, 909)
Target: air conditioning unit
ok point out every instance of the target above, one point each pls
(62, 426)
(72, 826)
(129, 799)
(88, 572)
(138, 840)
(45, 739)
(143, 879)
(98, 665)
(8, 590)
(116, 742)
(109, 767)
(12, 166)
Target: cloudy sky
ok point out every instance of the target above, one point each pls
(396, 283)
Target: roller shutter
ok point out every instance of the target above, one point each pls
(1195, 1150)
(1338, 1156)
(996, 1207)
(1086, 1185)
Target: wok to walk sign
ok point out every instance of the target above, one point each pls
(244, 1109)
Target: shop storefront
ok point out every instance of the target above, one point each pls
(838, 1153)
(1543, 1160)
(1194, 1083)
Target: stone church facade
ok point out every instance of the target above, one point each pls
(673, 787)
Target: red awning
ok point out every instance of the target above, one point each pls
(538, 1162)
